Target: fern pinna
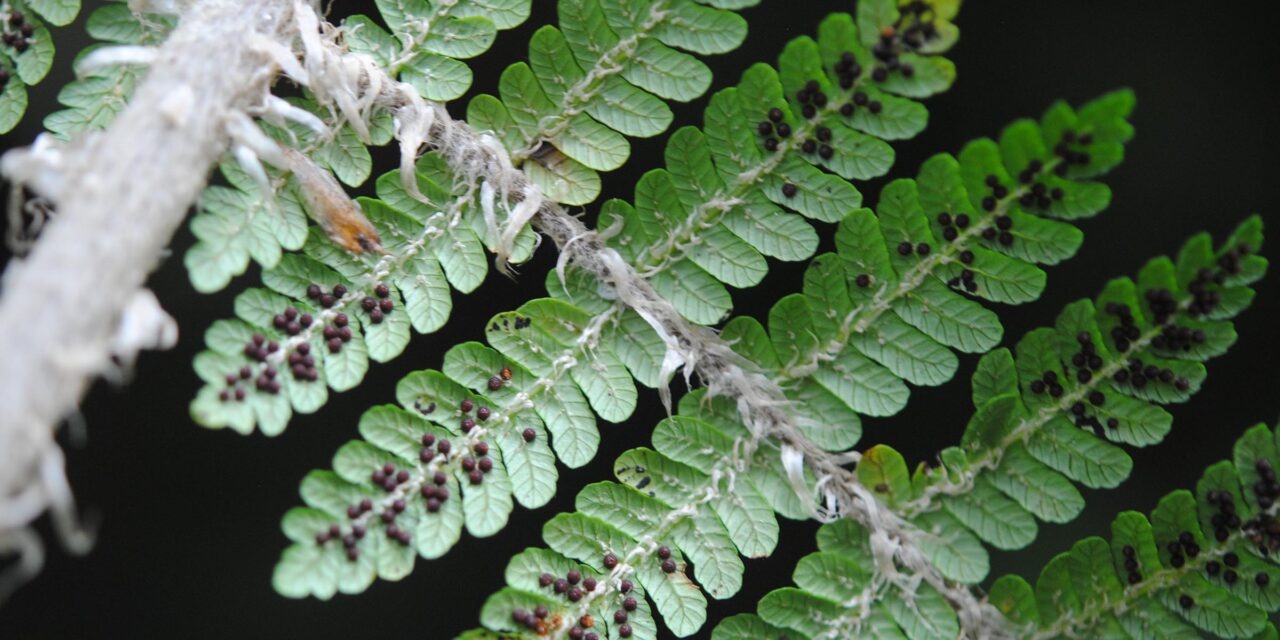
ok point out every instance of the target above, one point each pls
(1204, 561)
(694, 456)
(1031, 436)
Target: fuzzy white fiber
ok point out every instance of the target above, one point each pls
(70, 309)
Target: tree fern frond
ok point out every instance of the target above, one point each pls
(93, 101)
(788, 137)
(601, 76)
(1203, 562)
(1054, 410)
(27, 50)
(584, 358)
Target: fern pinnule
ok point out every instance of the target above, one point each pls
(427, 250)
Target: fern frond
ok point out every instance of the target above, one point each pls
(601, 76)
(1203, 562)
(294, 345)
(793, 136)
(584, 358)
(1054, 410)
(27, 50)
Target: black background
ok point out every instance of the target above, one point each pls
(189, 518)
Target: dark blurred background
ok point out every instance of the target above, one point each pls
(189, 518)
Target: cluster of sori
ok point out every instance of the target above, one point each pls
(1204, 300)
(377, 308)
(399, 483)
(1139, 374)
(390, 479)
(17, 34)
(1040, 195)
(574, 587)
(355, 534)
(257, 348)
(914, 28)
(1069, 155)
(338, 332)
(1087, 362)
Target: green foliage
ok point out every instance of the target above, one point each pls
(1203, 562)
(429, 248)
(1055, 409)
(235, 225)
(720, 206)
(1079, 593)
(26, 59)
(444, 239)
(603, 74)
